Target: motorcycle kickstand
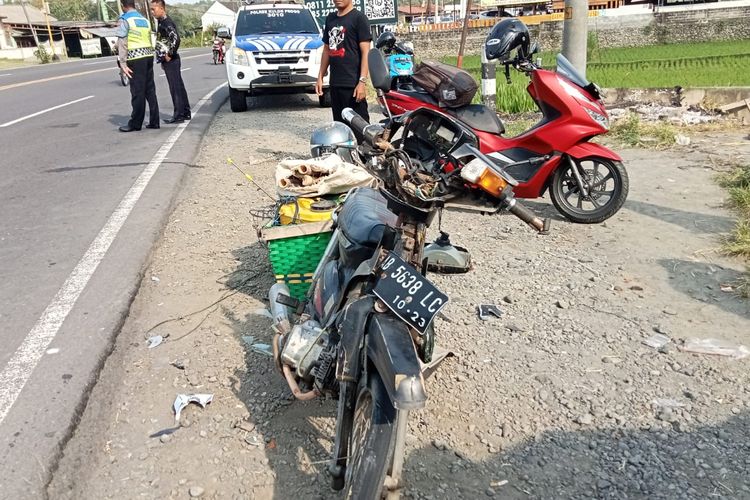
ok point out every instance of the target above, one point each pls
(581, 185)
(393, 479)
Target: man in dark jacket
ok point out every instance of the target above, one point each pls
(169, 40)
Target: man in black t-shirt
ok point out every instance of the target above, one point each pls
(170, 62)
(347, 40)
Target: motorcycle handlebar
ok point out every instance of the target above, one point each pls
(357, 122)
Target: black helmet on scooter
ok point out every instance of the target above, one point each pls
(506, 36)
(386, 41)
(333, 138)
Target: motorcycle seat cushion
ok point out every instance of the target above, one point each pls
(364, 216)
(479, 117)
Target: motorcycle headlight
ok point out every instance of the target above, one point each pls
(599, 118)
(239, 57)
(477, 172)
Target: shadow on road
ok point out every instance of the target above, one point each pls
(655, 461)
(296, 436)
(692, 221)
(119, 165)
(701, 281)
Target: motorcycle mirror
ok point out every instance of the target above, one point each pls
(379, 75)
(406, 47)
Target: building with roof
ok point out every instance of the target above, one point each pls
(21, 26)
(19, 35)
(221, 13)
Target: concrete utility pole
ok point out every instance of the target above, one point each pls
(575, 33)
(489, 84)
(33, 31)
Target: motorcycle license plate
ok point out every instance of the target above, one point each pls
(407, 293)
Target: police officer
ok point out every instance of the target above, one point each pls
(136, 56)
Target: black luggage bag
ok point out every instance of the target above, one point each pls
(451, 86)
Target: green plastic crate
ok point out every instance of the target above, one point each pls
(294, 252)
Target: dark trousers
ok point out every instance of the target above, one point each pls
(177, 89)
(343, 97)
(142, 89)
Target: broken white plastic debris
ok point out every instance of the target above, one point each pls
(155, 341)
(657, 341)
(54, 350)
(263, 312)
(662, 403)
(715, 346)
(183, 400)
(248, 339)
(155, 278)
(262, 349)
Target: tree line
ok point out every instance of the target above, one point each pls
(187, 17)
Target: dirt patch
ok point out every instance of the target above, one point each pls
(557, 399)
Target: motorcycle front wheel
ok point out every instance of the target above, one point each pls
(605, 180)
(372, 441)
(216, 57)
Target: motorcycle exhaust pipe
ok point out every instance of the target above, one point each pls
(279, 312)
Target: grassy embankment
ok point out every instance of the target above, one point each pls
(716, 64)
(737, 182)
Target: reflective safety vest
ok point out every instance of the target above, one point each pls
(139, 36)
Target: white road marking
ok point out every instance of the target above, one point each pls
(98, 62)
(8, 124)
(52, 78)
(16, 373)
(181, 71)
(7, 74)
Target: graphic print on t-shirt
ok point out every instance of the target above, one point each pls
(336, 42)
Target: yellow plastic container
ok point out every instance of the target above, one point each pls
(304, 210)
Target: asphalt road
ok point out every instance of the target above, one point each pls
(80, 206)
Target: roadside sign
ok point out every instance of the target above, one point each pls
(91, 47)
(377, 11)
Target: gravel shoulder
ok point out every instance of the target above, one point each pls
(559, 398)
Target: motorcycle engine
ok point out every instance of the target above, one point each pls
(303, 348)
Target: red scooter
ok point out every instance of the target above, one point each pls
(587, 182)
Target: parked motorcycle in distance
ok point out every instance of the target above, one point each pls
(587, 181)
(364, 334)
(218, 53)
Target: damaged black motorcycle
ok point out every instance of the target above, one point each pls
(364, 333)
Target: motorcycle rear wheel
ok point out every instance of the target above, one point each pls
(608, 181)
(372, 441)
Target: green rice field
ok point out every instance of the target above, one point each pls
(711, 64)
